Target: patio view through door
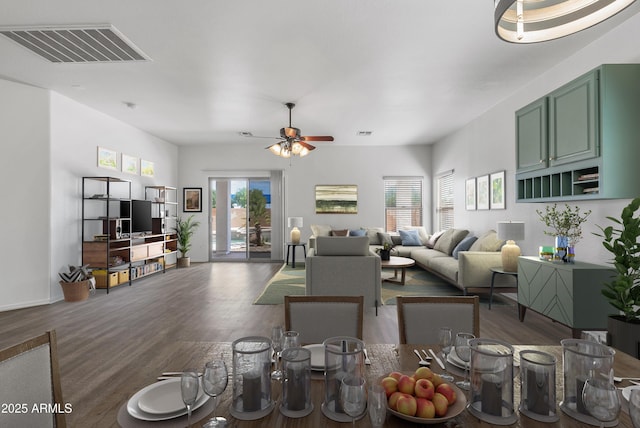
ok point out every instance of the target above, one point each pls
(240, 218)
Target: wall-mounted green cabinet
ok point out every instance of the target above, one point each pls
(582, 141)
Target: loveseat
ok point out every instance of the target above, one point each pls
(454, 255)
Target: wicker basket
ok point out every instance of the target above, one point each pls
(75, 291)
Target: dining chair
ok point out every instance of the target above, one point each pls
(420, 318)
(317, 318)
(31, 377)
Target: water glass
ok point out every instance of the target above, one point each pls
(290, 339)
(634, 407)
(353, 396)
(600, 397)
(377, 403)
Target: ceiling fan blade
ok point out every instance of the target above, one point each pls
(261, 136)
(317, 138)
(307, 145)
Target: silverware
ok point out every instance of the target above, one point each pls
(426, 356)
(367, 361)
(438, 360)
(620, 379)
(422, 361)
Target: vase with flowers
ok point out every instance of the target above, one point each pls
(566, 227)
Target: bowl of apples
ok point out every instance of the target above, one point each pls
(422, 396)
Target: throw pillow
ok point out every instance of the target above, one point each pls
(487, 242)
(434, 238)
(422, 232)
(385, 238)
(372, 233)
(343, 232)
(464, 245)
(410, 238)
(321, 230)
(357, 232)
(449, 239)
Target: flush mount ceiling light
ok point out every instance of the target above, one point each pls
(532, 21)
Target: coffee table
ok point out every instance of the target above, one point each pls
(397, 263)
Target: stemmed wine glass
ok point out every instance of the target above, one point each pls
(463, 350)
(445, 340)
(353, 396)
(634, 407)
(600, 398)
(189, 385)
(277, 338)
(214, 381)
(377, 403)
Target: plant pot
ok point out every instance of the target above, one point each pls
(184, 262)
(385, 254)
(624, 335)
(75, 291)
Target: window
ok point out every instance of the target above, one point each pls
(444, 203)
(402, 202)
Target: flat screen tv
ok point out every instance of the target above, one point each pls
(141, 220)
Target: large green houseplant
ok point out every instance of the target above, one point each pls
(185, 228)
(623, 292)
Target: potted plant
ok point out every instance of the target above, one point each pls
(566, 227)
(76, 283)
(185, 228)
(385, 251)
(623, 292)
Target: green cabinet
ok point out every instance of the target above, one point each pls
(587, 145)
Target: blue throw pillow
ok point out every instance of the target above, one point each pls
(464, 245)
(357, 232)
(410, 238)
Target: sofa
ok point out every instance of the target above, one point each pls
(454, 255)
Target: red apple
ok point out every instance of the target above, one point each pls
(425, 408)
(424, 389)
(448, 391)
(395, 375)
(390, 385)
(407, 405)
(406, 384)
(423, 373)
(441, 404)
(436, 380)
(393, 400)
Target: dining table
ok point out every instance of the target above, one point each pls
(384, 359)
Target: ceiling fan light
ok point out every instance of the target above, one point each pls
(532, 21)
(296, 148)
(304, 152)
(276, 149)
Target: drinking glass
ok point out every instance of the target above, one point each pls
(600, 398)
(463, 350)
(634, 407)
(290, 339)
(445, 340)
(353, 396)
(214, 381)
(377, 403)
(277, 338)
(189, 384)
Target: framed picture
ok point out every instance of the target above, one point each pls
(146, 168)
(336, 199)
(192, 199)
(129, 164)
(496, 189)
(107, 158)
(482, 192)
(470, 194)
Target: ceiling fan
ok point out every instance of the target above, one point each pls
(292, 143)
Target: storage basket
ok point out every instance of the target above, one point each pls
(75, 291)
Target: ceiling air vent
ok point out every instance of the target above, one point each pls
(76, 44)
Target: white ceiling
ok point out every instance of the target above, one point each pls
(411, 71)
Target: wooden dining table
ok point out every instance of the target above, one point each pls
(385, 358)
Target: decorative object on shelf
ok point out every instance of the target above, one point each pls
(295, 223)
(482, 189)
(546, 253)
(526, 21)
(470, 194)
(510, 231)
(185, 228)
(192, 199)
(146, 168)
(107, 158)
(496, 190)
(565, 223)
(77, 283)
(623, 292)
(336, 199)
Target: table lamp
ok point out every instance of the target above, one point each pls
(295, 223)
(510, 231)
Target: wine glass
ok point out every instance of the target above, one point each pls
(445, 340)
(214, 382)
(463, 350)
(377, 403)
(353, 396)
(600, 398)
(634, 407)
(277, 338)
(290, 339)
(189, 385)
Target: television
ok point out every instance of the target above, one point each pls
(140, 214)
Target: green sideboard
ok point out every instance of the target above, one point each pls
(581, 141)
(567, 293)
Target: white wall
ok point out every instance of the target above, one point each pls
(488, 144)
(328, 164)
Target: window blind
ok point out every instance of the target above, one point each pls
(402, 202)
(444, 203)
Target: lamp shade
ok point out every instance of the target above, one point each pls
(529, 21)
(294, 221)
(511, 230)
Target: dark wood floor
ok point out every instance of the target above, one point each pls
(111, 345)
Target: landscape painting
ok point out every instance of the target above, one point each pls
(336, 199)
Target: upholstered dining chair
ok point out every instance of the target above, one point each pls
(317, 318)
(30, 377)
(420, 318)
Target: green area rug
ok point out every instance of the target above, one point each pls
(418, 282)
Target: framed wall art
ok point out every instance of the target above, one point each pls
(336, 199)
(496, 189)
(470, 194)
(482, 192)
(146, 168)
(129, 164)
(192, 199)
(107, 158)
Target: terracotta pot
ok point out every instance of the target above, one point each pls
(624, 335)
(184, 262)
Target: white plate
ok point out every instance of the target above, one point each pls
(453, 358)
(626, 392)
(134, 409)
(317, 356)
(164, 397)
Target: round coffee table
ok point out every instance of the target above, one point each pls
(397, 263)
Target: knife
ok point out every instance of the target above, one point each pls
(438, 360)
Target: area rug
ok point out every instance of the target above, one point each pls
(418, 282)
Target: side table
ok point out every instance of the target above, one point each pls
(293, 245)
(499, 271)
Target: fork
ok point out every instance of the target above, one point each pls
(620, 379)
